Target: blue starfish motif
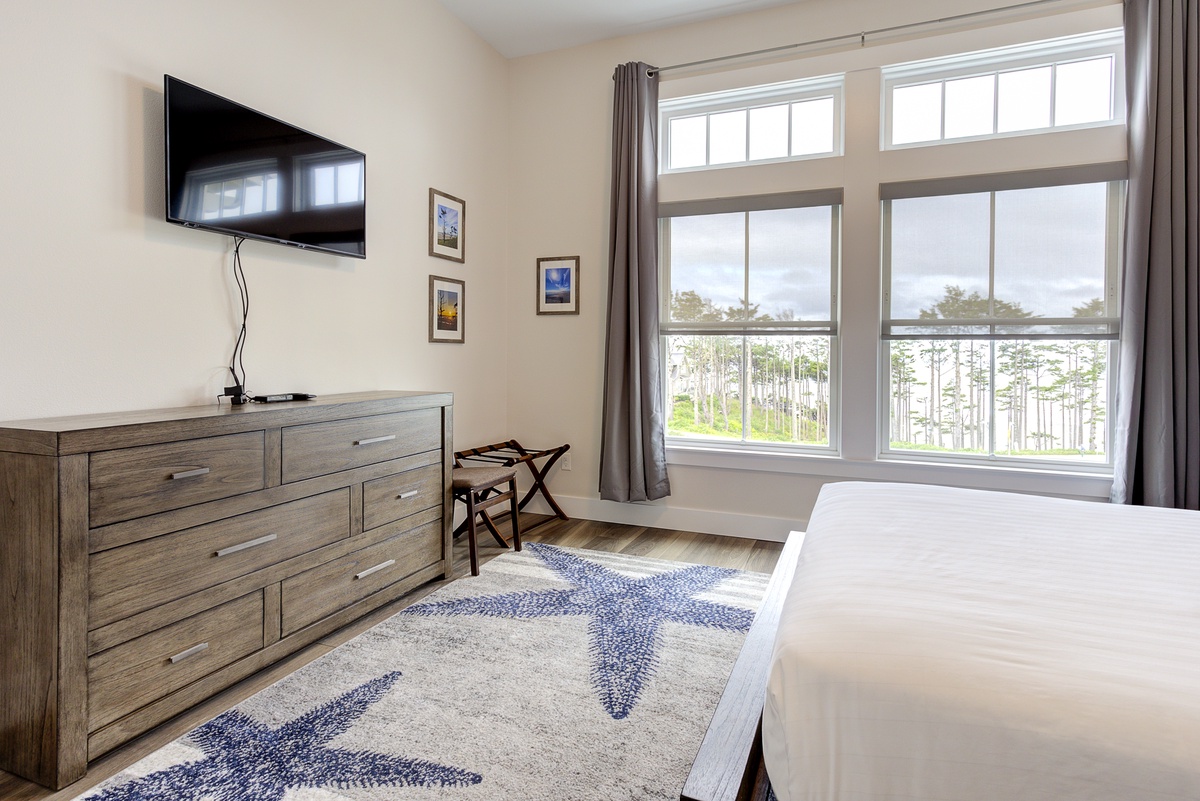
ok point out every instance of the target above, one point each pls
(625, 616)
(247, 761)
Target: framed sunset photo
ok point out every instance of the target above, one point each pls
(558, 285)
(447, 226)
(446, 309)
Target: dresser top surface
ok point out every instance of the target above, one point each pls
(55, 436)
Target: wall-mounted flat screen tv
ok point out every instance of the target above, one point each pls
(236, 171)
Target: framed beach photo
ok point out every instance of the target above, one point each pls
(446, 309)
(447, 221)
(558, 285)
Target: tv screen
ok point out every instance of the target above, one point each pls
(233, 170)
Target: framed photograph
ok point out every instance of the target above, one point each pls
(558, 285)
(446, 309)
(447, 231)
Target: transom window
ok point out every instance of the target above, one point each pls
(1057, 84)
(773, 123)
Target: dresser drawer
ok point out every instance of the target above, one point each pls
(321, 448)
(134, 482)
(394, 497)
(131, 675)
(132, 578)
(320, 592)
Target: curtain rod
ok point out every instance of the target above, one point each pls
(862, 37)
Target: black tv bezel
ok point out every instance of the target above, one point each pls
(234, 232)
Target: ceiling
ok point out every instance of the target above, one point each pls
(524, 27)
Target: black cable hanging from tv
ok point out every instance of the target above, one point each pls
(237, 393)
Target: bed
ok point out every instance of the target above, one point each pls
(939, 644)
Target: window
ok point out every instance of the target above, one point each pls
(240, 196)
(335, 183)
(1000, 313)
(748, 327)
(958, 310)
(773, 123)
(1037, 87)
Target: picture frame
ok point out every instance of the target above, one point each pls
(446, 309)
(447, 226)
(558, 285)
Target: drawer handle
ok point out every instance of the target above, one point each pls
(248, 544)
(406, 495)
(195, 649)
(376, 569)
(373, 440)
(199, 471)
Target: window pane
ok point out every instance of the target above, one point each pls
(1024, 100)
(1051, 248)
(704, 386)
(940, 395)
(769, 132)
(970, 106)
(254, 195)
(728, 132)
(1051, 399)
(231, 198)
(791, 256)
(789, 389)
(940, 256)
(211, 204)
(689, 142)
(322, 186)
(272, 192)
(706, 259)
(812, 127)
(1083, 92)
(349, 182)
(916, 113)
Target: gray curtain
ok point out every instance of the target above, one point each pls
(633, 459)
(1157, 447)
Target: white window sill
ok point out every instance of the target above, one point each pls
(1083, 485)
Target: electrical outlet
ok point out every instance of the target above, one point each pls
(565, 461)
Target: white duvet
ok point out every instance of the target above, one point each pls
(941, 644)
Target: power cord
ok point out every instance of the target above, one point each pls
(237, 393)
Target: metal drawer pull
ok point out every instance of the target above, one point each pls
(406, 495)
(199, 471)
(195, 649)
(375, 569)
(249, 544)
(373, 440)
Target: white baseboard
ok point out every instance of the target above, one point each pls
(703, 521)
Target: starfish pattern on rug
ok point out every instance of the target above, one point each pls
(625, 616)
(248, 761)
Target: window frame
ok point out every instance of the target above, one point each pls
(1113, 175)
(1048, 53)
(749, 99)
(745, 330)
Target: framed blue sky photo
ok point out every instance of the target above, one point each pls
(558, 285)
(447, 226)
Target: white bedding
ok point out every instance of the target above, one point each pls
(941, 644)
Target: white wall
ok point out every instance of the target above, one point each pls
(104, 306)
(561, 133)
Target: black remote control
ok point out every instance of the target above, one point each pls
(286, 396)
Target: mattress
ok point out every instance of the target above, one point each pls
(941, 644)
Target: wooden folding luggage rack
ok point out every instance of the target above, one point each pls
(512, 453)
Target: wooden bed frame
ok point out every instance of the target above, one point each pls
(728, 766)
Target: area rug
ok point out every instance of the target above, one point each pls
(556, 674)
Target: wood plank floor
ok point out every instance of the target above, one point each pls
(681, 546)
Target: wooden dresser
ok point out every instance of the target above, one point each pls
(150, 559)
